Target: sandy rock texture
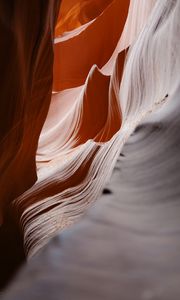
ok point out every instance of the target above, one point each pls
(127, 245)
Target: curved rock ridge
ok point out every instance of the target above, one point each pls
(97, 102)
(127, 245)
(75, 13)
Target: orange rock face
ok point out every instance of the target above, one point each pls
(75, 13)
(77, 51)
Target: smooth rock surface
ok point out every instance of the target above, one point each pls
(127, 246)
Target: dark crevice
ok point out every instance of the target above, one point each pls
(11, 252)
(107, 191)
